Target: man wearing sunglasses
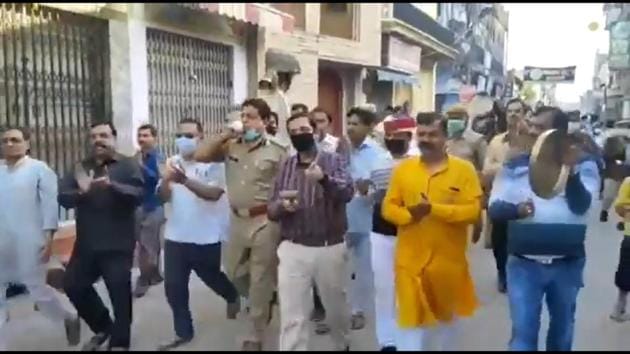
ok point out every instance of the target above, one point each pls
(252, 160)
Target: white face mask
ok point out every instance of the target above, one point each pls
(574, 127)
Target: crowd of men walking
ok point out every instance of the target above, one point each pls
(258, 219)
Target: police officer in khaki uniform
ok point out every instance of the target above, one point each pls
(252, 160)
(467, 144)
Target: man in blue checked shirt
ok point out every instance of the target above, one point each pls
(364, 155)
(150, 215)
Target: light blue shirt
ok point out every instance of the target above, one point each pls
(363, 161)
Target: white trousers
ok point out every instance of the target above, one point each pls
(611, 188)
(361, 288)
(43, 295)
(299, 266)
(415, 339)
(383, 249)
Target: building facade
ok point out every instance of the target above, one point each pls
(617, 87)
(132, 63)
(481, 37)
(333, 45)
(413, 42)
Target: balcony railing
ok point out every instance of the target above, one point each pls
(416, 18)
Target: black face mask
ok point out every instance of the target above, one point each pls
(396, 146)
(303, 142)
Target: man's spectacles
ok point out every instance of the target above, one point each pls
(186, 135)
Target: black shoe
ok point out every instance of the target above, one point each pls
(621, 226)
(502, 286)
(142, 286)
(603, 216)
(16, 290)
(321, 328)
(389, 348)
(156, 278)
(176, 343)
(95, 343)
(73, 331)
(318, 315)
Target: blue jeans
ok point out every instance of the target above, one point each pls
(530, 281)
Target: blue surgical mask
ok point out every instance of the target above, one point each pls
(251, 135)
(186, 146)
(455, 127)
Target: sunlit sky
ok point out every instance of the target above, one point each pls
(557, 35)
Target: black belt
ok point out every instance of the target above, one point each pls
(313, 243)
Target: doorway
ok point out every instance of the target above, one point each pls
(330, 97)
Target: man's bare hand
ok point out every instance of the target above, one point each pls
(314, 172)
(175, 173)
(418, 212)
(289, 205)
(103, 181)
(84, 180)
(526, 209)
(45, 252)
(476, 236)
(363, 186)
(623, 210)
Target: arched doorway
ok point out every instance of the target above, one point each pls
(330, 97)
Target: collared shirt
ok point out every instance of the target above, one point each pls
(250, 171)
(320, 219)
(469, 146)
(151, 173)
(192, 219)
(363, 161)
(105, 216)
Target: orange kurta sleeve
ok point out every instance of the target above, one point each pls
(393, 209)
(468, 208)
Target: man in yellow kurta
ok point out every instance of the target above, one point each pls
(432, 201)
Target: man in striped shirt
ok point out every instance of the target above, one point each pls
(308, 200)
(398, 134)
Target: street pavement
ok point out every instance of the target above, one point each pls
(489, 329)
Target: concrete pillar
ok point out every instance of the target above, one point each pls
(625, 113)
(129, 80)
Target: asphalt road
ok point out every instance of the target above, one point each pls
(489, 329)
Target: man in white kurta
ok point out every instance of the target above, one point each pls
(28, 219)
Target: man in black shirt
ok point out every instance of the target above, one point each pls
(105, 189)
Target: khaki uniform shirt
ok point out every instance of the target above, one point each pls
(250, 171)
(470, 146)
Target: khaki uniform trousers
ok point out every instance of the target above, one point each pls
(251, 264)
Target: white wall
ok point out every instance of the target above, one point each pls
(129, 80)
(240, 73)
